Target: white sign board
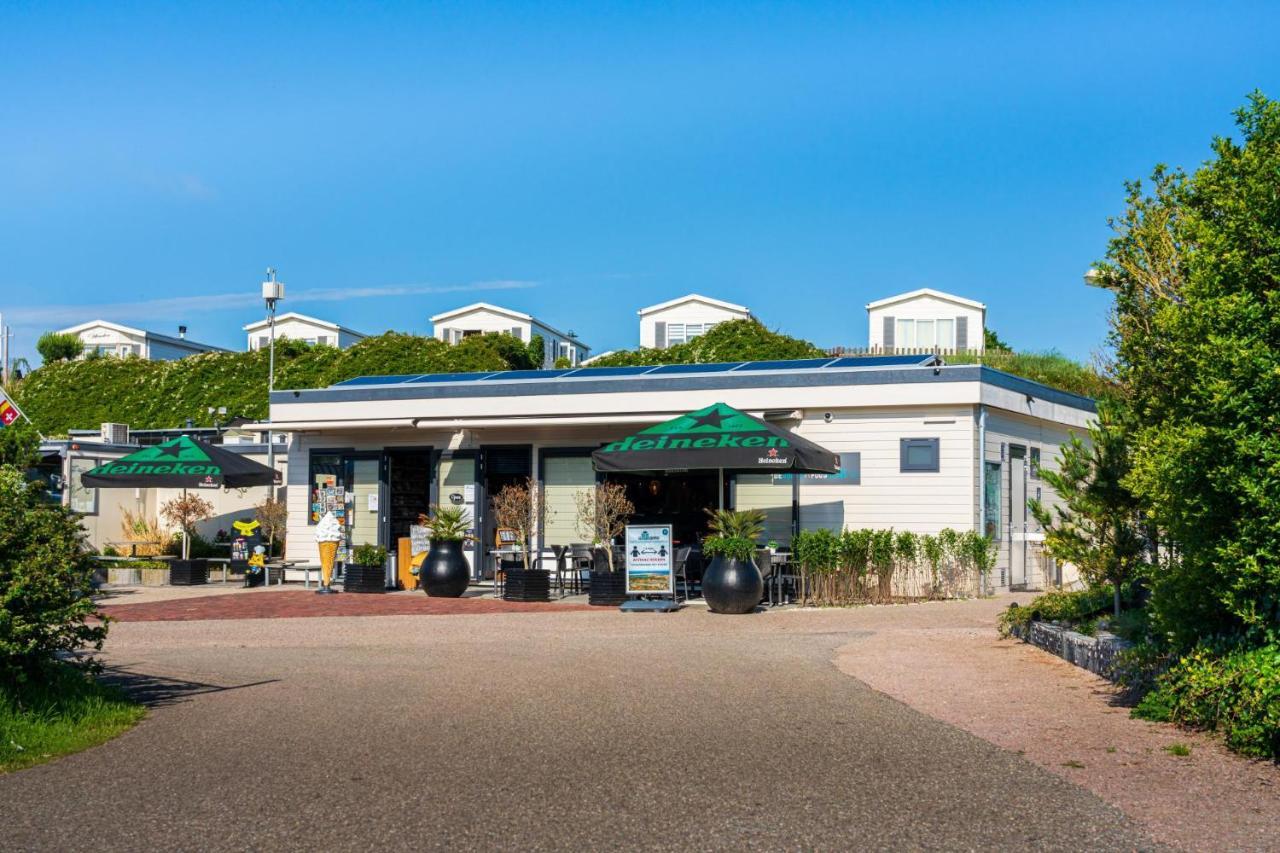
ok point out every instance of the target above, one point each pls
(649, 559)
(419, 538)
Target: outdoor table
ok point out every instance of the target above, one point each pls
(226, 562)
(498, 554)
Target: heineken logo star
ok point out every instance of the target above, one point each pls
(714, 418)
(172, 450)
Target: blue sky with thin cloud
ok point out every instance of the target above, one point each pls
(580, 161)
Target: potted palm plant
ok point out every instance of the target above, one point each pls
(602, 517)
(514, 508)
(186, 512)
(732, 583)
(367, 571)
(445, 572)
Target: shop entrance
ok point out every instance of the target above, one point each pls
(499, 467)
(680, 499)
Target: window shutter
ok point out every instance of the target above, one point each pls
(516, 333)
(962, 334)
(264, 341)
(888, 334)
(660, 335)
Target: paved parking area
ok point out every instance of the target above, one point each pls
(546, 730)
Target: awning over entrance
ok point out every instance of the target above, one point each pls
(717, 437)
(183, 462)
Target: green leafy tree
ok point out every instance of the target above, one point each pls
(992, 341)
(1098, 525)
(1195, 269)
(19, 445)
(45, 582)
(56, 346)
(536, 350)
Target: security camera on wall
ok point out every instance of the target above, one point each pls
(828, 417)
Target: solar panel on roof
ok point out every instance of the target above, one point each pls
(676, 369)
(882, 361)
(361, 381)
(611, 371)
(783, 364)
(526, 374)
(432, 378)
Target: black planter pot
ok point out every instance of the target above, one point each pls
(732, 586)
(445, 573)
(531, 585)
(188, 572)
(356, 578)
(608, 589)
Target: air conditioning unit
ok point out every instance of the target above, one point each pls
(115, 433)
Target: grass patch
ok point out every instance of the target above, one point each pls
(1073, 764)
(1179, 749)
(64, 713)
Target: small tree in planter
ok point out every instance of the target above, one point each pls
(444, 573)
(186, 512)
(602, 517)
(732, 582)
(272, 516)
(518, 507)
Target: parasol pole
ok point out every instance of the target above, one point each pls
(720, 489)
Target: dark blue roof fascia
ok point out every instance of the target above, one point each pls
(828, 377)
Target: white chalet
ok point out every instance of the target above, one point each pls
(678, 320)
(926, 320)
(300, 327)
(482, 318)
(101, 337)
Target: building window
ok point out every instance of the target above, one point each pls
(919, 454)
(1035, 463)
(991, 500)
(679, 333)
(925, 334)
(83, 500)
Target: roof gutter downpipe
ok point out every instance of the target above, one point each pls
(982, 482)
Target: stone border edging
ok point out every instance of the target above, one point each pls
(1096, 654)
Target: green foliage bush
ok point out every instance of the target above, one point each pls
(369, 555)
(1066, 606)
(1052, 368)
(1235, 693)
(836, 568)
(55, 346)
(736, 340)
(45, 582)
(159, 394)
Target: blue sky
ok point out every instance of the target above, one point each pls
(581, 161)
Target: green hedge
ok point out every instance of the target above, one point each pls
(162, 394)
(1236, 694)
(736, 340)
(1050, 368)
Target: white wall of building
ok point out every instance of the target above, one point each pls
(950, 323)
(300, 328)
(489, 319)
(113, 339)
(683, 320)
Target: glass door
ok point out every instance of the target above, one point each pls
(456, 485)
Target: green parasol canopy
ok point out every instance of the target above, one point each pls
(183, 462)
(718, 436)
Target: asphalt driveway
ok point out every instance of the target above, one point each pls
(550, 730)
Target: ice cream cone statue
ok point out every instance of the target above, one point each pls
(328, 535)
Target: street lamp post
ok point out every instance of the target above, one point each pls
(272, 292)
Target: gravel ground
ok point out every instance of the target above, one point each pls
(562, 730)
(946, 660)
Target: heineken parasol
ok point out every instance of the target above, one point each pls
(183, 462)
(717, 437)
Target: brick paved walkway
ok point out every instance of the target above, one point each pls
(289, 604)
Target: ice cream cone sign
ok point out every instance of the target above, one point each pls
(328, 535)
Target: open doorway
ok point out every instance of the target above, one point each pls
(679, 499)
